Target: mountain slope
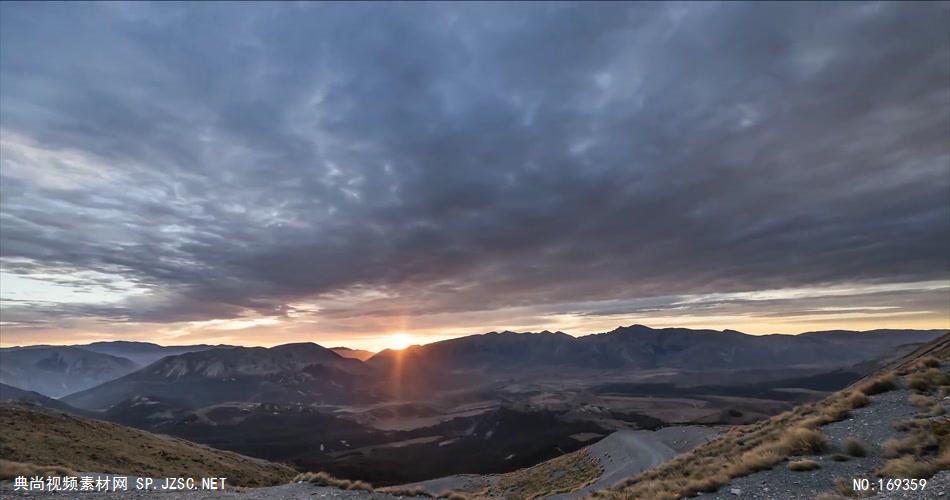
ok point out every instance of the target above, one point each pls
(291, 373)
(641, 347)
(10, 393)
(59, 370)
(359, 354)
(144, 353)
(86, 445)
(890, 425)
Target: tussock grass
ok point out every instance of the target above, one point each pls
(909, 467)
(803, 465)
(803, 441)
(921, 401)
(927, 380)
(922, 452)
(855, 448)
(879, 385)
(754, 461)
(843, 487)
(10, 470)
(927, 362)
(324, 479)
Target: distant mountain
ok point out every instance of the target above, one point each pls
(55, 371)
(359, 354)
(641, 347)
(144, 353)
(291, 373)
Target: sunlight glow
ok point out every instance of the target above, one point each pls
(400, 340)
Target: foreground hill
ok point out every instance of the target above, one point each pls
(288, 373)
(59, 370)
(31, 435)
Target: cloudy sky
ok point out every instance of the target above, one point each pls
(341, 173)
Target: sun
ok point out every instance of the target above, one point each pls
(400, 340)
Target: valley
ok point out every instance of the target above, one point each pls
(465, 406)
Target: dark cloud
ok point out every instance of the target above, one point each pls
(471, 157)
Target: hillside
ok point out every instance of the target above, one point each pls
(890, 425)
(10, 393)
(51, 438)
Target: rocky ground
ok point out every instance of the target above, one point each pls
(295, 491)
(872, 425)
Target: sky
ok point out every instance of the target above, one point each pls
(376, 174)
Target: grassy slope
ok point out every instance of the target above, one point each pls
(51, 438)
(747, 449)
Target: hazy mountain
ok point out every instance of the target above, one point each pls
(484, 351)
(291, 373)
(144, 353)
(59, 370)
(359, 354)
(641, 347)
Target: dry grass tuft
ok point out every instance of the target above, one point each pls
(919, 454)
(908, 466)
(843, 487)
(803, 441)
(754, 461)
(324, 479)
(927, 380)
(10, 470)
(803, 465)
(880, 384)
(858, 399)
(855, 448)
(921, 401)
(928, 362)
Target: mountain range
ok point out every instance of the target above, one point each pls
(56, 371)
(487, 403)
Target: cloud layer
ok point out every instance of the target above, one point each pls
(324, 162)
